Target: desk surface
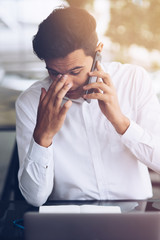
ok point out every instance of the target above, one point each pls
(14, 210)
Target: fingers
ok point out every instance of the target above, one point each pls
(106, 98)
(52, 86)
(51, 114)
(102, 86)
(96, 95)
(98, 86)
(60, 95)
(57, 91)
(101, 74)
(65, 108)
(56, 85)
(61, 83)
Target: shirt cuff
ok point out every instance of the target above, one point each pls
(39, 154)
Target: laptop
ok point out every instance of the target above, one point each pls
(109, 226)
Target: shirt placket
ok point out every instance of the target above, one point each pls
(94, 148)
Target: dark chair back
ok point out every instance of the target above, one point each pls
(11, 189)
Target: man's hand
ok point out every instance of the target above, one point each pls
(51, 114)
(107, 98)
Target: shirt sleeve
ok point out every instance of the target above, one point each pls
(36, 168)
(143, 135)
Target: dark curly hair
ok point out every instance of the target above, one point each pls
(63, 31)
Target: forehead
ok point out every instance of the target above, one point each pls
(73, 59)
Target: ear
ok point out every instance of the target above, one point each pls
(99, 47)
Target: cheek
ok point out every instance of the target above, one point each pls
(80, 80)
(83, 78)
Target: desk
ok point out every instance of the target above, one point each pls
(13, 210)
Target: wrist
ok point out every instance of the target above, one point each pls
(42, 140)
(121, 125)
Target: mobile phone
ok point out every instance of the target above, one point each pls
(96, 58)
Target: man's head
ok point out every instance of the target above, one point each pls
(64, 31)
(67, 41)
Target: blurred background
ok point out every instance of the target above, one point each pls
(129, 30)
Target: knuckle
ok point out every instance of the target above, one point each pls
(59, 97)
(101, 73)
(61, 80)
(100, 84)
(49, 108)
(96, 95)
(65, 107)
(107, 75)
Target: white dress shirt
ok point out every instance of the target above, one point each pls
(88, 159)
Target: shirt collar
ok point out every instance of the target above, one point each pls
(79, 100)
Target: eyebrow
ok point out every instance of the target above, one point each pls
(70, 70)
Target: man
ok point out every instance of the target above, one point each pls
(75, 150)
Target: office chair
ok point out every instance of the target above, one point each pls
(11, 189)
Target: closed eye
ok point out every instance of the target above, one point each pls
(74, 73)
(53, 73)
